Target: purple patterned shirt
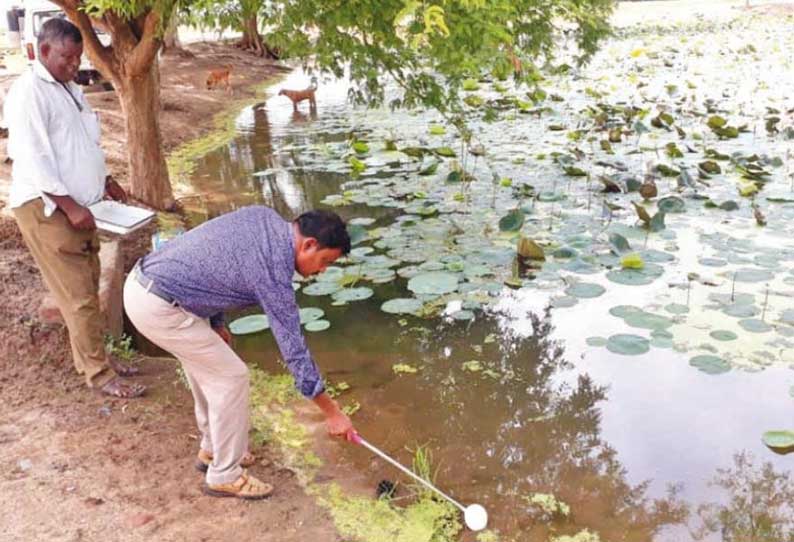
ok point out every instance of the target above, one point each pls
(239, 259)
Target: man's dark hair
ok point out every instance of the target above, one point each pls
(58, 29)
(325, 226)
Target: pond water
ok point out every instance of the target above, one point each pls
(639, 399)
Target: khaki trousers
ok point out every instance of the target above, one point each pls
(69, 263)
(218, 378)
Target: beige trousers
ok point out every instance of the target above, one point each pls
(69, 263)
(218, 378)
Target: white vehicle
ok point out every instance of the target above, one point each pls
(36, 14)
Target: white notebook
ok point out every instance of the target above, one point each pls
(117, 217)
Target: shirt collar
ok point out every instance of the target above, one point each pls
(40, 70)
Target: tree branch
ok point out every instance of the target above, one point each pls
(142, 56)
(99, 55)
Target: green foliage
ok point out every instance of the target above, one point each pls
(431, 48)
(121, 347)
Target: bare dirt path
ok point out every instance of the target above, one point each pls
(75, 466)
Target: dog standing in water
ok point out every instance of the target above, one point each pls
(298, 96)
(221, 76)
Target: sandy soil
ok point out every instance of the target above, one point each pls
(75, 466)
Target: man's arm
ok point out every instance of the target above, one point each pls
(79, 217)
(279, 303)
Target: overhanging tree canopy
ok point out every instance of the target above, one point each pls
(430, 47)
(130, 62)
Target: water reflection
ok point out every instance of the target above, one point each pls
(760, 504)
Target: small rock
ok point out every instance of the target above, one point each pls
(24, 465)
(104, 410)
(94, 501)
(139, 520)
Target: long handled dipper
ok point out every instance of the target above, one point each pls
(474, 515)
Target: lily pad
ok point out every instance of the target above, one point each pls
(753, 275)
(512, 221)
(710, 364)
(310, 314)
(435, 282)
(585, 290)
(322, 288)
(621, 311)
(317, 325)
(636, 277)
(249, 324)
(647, 320)
(723, 335)
(676, 308)
(596, 341)
(402, 305)
(754, 325)
(628, 345)
(353, 294)
(781, 442)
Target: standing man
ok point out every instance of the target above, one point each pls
(58, 171)
(176, 296)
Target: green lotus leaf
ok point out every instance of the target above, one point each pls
(754, 325)
(780, 441)
(310, 314)
(585, 290)
(753, 275)
(249, 324)
(357, 233)
(709, 364)
(596, 341)
(402, 305)
(676, 308)
(317, 325)
(628, 345)
(647, 320)
(723, 335)
(619, 243)
(434, 282)
(671, 204)
(322, 288)
(512, 221)
(621, 311)
(352, 294)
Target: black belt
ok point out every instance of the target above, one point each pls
(151, 287)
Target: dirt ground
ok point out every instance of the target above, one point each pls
(75, 466)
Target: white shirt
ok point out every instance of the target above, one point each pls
(53, 142)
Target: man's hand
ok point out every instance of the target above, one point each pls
(80, 217)
(114, 191)
(339, 425)
(224, 333)
(336, 421)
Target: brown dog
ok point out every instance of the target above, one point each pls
(298, 96)
(219, 77)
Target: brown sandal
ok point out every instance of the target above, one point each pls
(245, 487)
(117, 388)
(204, 458)
(122, 369)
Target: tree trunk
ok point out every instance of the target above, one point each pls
(140, 102)
(252, 40)
(171, 43)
